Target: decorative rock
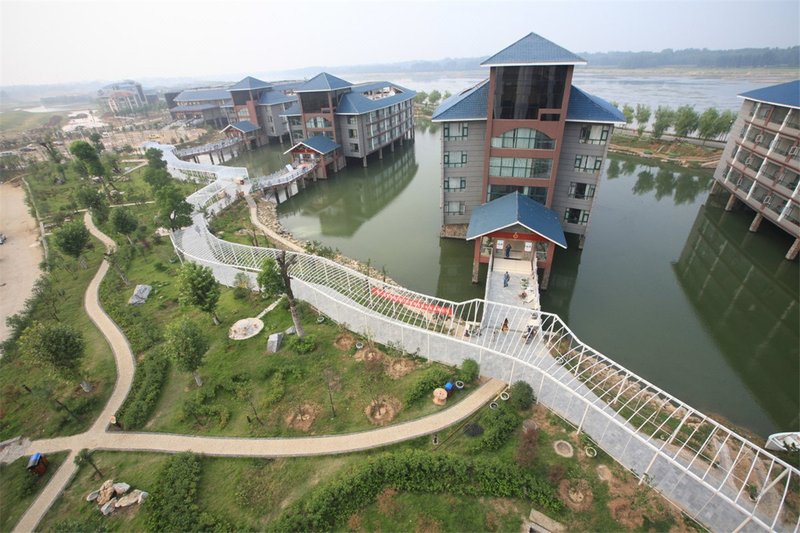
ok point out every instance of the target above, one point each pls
(106, 492)
(290, 330)
(274, 342)
(121, 488)
(143, 496)
(108, 507)
(129, 499)
(92, 496)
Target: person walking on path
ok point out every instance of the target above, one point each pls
(506, 279)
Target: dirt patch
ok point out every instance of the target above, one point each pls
(345, 341)
(386, 502)
(368, 353)
(381, 411)
(426, 524)
(399, 367)
(302, 418)
(623, 512)
(577, 495)
(355, 523)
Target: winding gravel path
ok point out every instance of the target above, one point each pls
(97, 438)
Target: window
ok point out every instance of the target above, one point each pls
(455, 159)
(354, 147)
(318, 122)
(352, 134)
(455, 208)
(576, 216)
(521, 91)
(520, 167)
(538, 194)
(588, 163)
(456, 130)
(525, 139)
(351, 120)
(594, 134)
(581, 191)
(455, 184)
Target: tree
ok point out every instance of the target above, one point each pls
(642, 117)
(420, 97)
(97, 142)
(724, 122)
(246, 393)
(85, 456)
(434, 97)
(157, 178)
(664, 118)
(57, 345)
(72, 238)
(686, 120)
(274, 279)
(185, 343)
(628, 112)
(86, 154)
(155, 159)
(124, 222)
(197, 287)
(173, 210)
(111, 161)
(446, 95)
(707, 123)
(92, 199)
(521, 395)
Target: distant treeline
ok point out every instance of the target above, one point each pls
(694, 57)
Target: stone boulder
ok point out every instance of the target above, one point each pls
(274, 342)
(129, 499)
(143, 496)
(290, 330)
(108, 507)
(121, 488)
(106, 492)
(92, 496)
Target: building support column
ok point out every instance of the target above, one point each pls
(581, 241)
(392, 147)
(756, 222)
(364, 161)
(715, 187)
(545, 277)
(791, 255)
(476, 261)
(380, 153)
(221, 156)
(731, 203)
(211, 157)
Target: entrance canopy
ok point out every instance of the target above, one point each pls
(245, 126)
(318, 143)
(516, 210)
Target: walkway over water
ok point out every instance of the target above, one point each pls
(717, 476)
(208, 148)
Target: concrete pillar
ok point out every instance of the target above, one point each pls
(392, 147)
(476, 260)
(715, 187)
(196, 160)
(364, 161)
(545, 278)
(380, 153)
(581, 241)
(211, 157)
(756, 222)
(731, 203)
(791, 255)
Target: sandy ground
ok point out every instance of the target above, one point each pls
(20, 255)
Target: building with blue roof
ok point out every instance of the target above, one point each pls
(760, 166)
(525, 132)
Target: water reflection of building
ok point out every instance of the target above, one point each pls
(748, 300)
(343, 209)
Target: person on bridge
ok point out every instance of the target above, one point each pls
(506, 279)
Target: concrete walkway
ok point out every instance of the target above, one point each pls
(97, 438)
(284, 243)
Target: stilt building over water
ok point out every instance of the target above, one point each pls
(525, 130)
(760, 166)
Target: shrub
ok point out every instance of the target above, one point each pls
(145, 391)
(172, 506)
(521, 396)
(302, 345)
(430, 379)
(499, 425)
(469, 371)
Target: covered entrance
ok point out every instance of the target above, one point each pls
(320, 151)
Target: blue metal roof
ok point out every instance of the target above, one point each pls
(287, 85)
(319, 143)
(248, 83)
(785, 94)
(197, 95)
(514, 209)
(355, 103)
(585, 107)
(293, 111)
(274, 97)
(196, 107)
(34, 460)
(533, 49)
(245, 126)
(323, 82)
(468, 105)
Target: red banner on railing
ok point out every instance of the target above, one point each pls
(411, 302)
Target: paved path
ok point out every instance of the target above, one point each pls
(97, 438)
(278, 239)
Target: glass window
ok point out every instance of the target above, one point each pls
(455, 208)
(581, 191)
(351, 120)
(353, 134)
(538, 194)
(576, 216)
(521, 91)
(354, 147)
(455, 184)
(455, 159)
(525, 139)
(520, 167)
(594, 134)
(318, 122)
(456, 130)
(588, 163)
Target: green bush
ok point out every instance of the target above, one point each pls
(145, 391)
(172, 505)
(521, 396)
(302, 345)
(499, 424)
(430, 379)
(412, 471)
(469, 371)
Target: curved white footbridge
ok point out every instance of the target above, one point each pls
(716, 476)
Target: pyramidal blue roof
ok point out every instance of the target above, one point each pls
(318, 143)
(245, 126)
(293, 111)
(585, 107)
(356, 102)
(514, 209)
(274, 97)
(533, 49)
(247, 83)
(323, 82)
(467, 105)
(786, 94)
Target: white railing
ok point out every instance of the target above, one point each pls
(716, 476)
(210, 147)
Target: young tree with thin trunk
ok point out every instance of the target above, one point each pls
(125, 223)
(664, 118)
(246, 393)
(686, 121)
(174, 212)
(72, 239)
(274, 278)
(627, 110)
(642, 117)
(92, 199)
(85, 456)
(186, 345)
(56, 346)
(197, 287)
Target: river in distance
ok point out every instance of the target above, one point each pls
(668, 284)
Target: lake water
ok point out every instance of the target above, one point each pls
(658, 287)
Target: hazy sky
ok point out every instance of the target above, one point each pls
(53, 42)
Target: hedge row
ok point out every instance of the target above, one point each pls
(145, 391)
(412, 471)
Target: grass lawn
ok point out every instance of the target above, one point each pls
(18, 487)
(36, 414)
(234, 225)
(17, 120)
